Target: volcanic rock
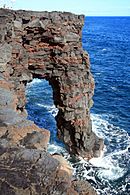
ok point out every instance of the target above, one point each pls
(47, 46)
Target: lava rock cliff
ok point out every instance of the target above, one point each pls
(47, 46)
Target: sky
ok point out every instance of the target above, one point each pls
(86, 7)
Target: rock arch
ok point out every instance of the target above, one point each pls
(48, 45)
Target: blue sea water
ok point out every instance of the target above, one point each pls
(107, 39)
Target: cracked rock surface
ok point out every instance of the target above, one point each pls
(28, 170)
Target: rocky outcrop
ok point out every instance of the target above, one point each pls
(43, 45)
(26, 171)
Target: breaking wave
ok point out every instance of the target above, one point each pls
(109, 174)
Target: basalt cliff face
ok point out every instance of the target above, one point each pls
(43, 45)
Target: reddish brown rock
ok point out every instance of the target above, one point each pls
(31, 171)
(83, 188)
(65, 167)
(26, 134)
(48, 45)
(43, 45)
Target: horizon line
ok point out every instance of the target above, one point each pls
(17, 9)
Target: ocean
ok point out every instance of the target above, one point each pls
(107, 40)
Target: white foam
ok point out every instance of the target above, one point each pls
(106, 168)
(51, 108)
(111, 172)
(35, 81)
(109, 167)
(108, 131)
(54, 148)
(121, 152)
(96, 122)
(98, 73)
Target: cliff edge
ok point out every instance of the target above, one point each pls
(43, 45)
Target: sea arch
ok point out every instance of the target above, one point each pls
(48, 46)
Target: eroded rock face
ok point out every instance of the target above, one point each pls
(48, 45)
(43, 45)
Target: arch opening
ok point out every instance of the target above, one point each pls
(41, 108)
